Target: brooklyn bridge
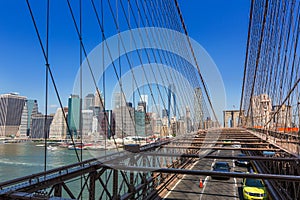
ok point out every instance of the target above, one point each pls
(148, 107)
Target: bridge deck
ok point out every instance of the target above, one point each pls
(188, 170)
(188, 186)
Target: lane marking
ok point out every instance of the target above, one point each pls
(207, 177)
(180, 180)
(212, 164)
(205, 181)
(235, 186)
(235, 183)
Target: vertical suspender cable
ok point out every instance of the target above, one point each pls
(258, 55)
(45, 55)
(80, 74)
(46, 84)
(120, 71)
(246, 61)
(103, 68)
(80, 82)
(196, 63)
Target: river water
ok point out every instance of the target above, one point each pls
(21, 159)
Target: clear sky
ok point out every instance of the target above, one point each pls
(220, 26)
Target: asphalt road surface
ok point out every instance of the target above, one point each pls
(188, 186)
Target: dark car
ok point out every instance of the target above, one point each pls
(242, 162)
(221, 167)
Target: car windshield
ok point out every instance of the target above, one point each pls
(221, 166)
(254, 183)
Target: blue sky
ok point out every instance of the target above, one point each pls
(219, 26)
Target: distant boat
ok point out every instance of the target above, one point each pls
(77, 147)
(40, 145)
(51, 148)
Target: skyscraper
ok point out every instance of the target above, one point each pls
(119, 100)
(11, 107)
(40, 125)
(74, 115)
(156, 109)
(89, 102)
(188, 119)
(142, 106)
(171, 93)
(144, 98)
(124, 116)
(30, 109)
(164, 113)
(95, 126)
(156, 123)
(87, 123)
(99, 101)
(58, 127)
(198, 116)
(107, 123)
(139, 117)
(23, 129)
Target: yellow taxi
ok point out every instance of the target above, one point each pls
(254, 189)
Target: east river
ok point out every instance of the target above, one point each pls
(21, 159)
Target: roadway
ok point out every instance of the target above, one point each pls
(188, 186)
